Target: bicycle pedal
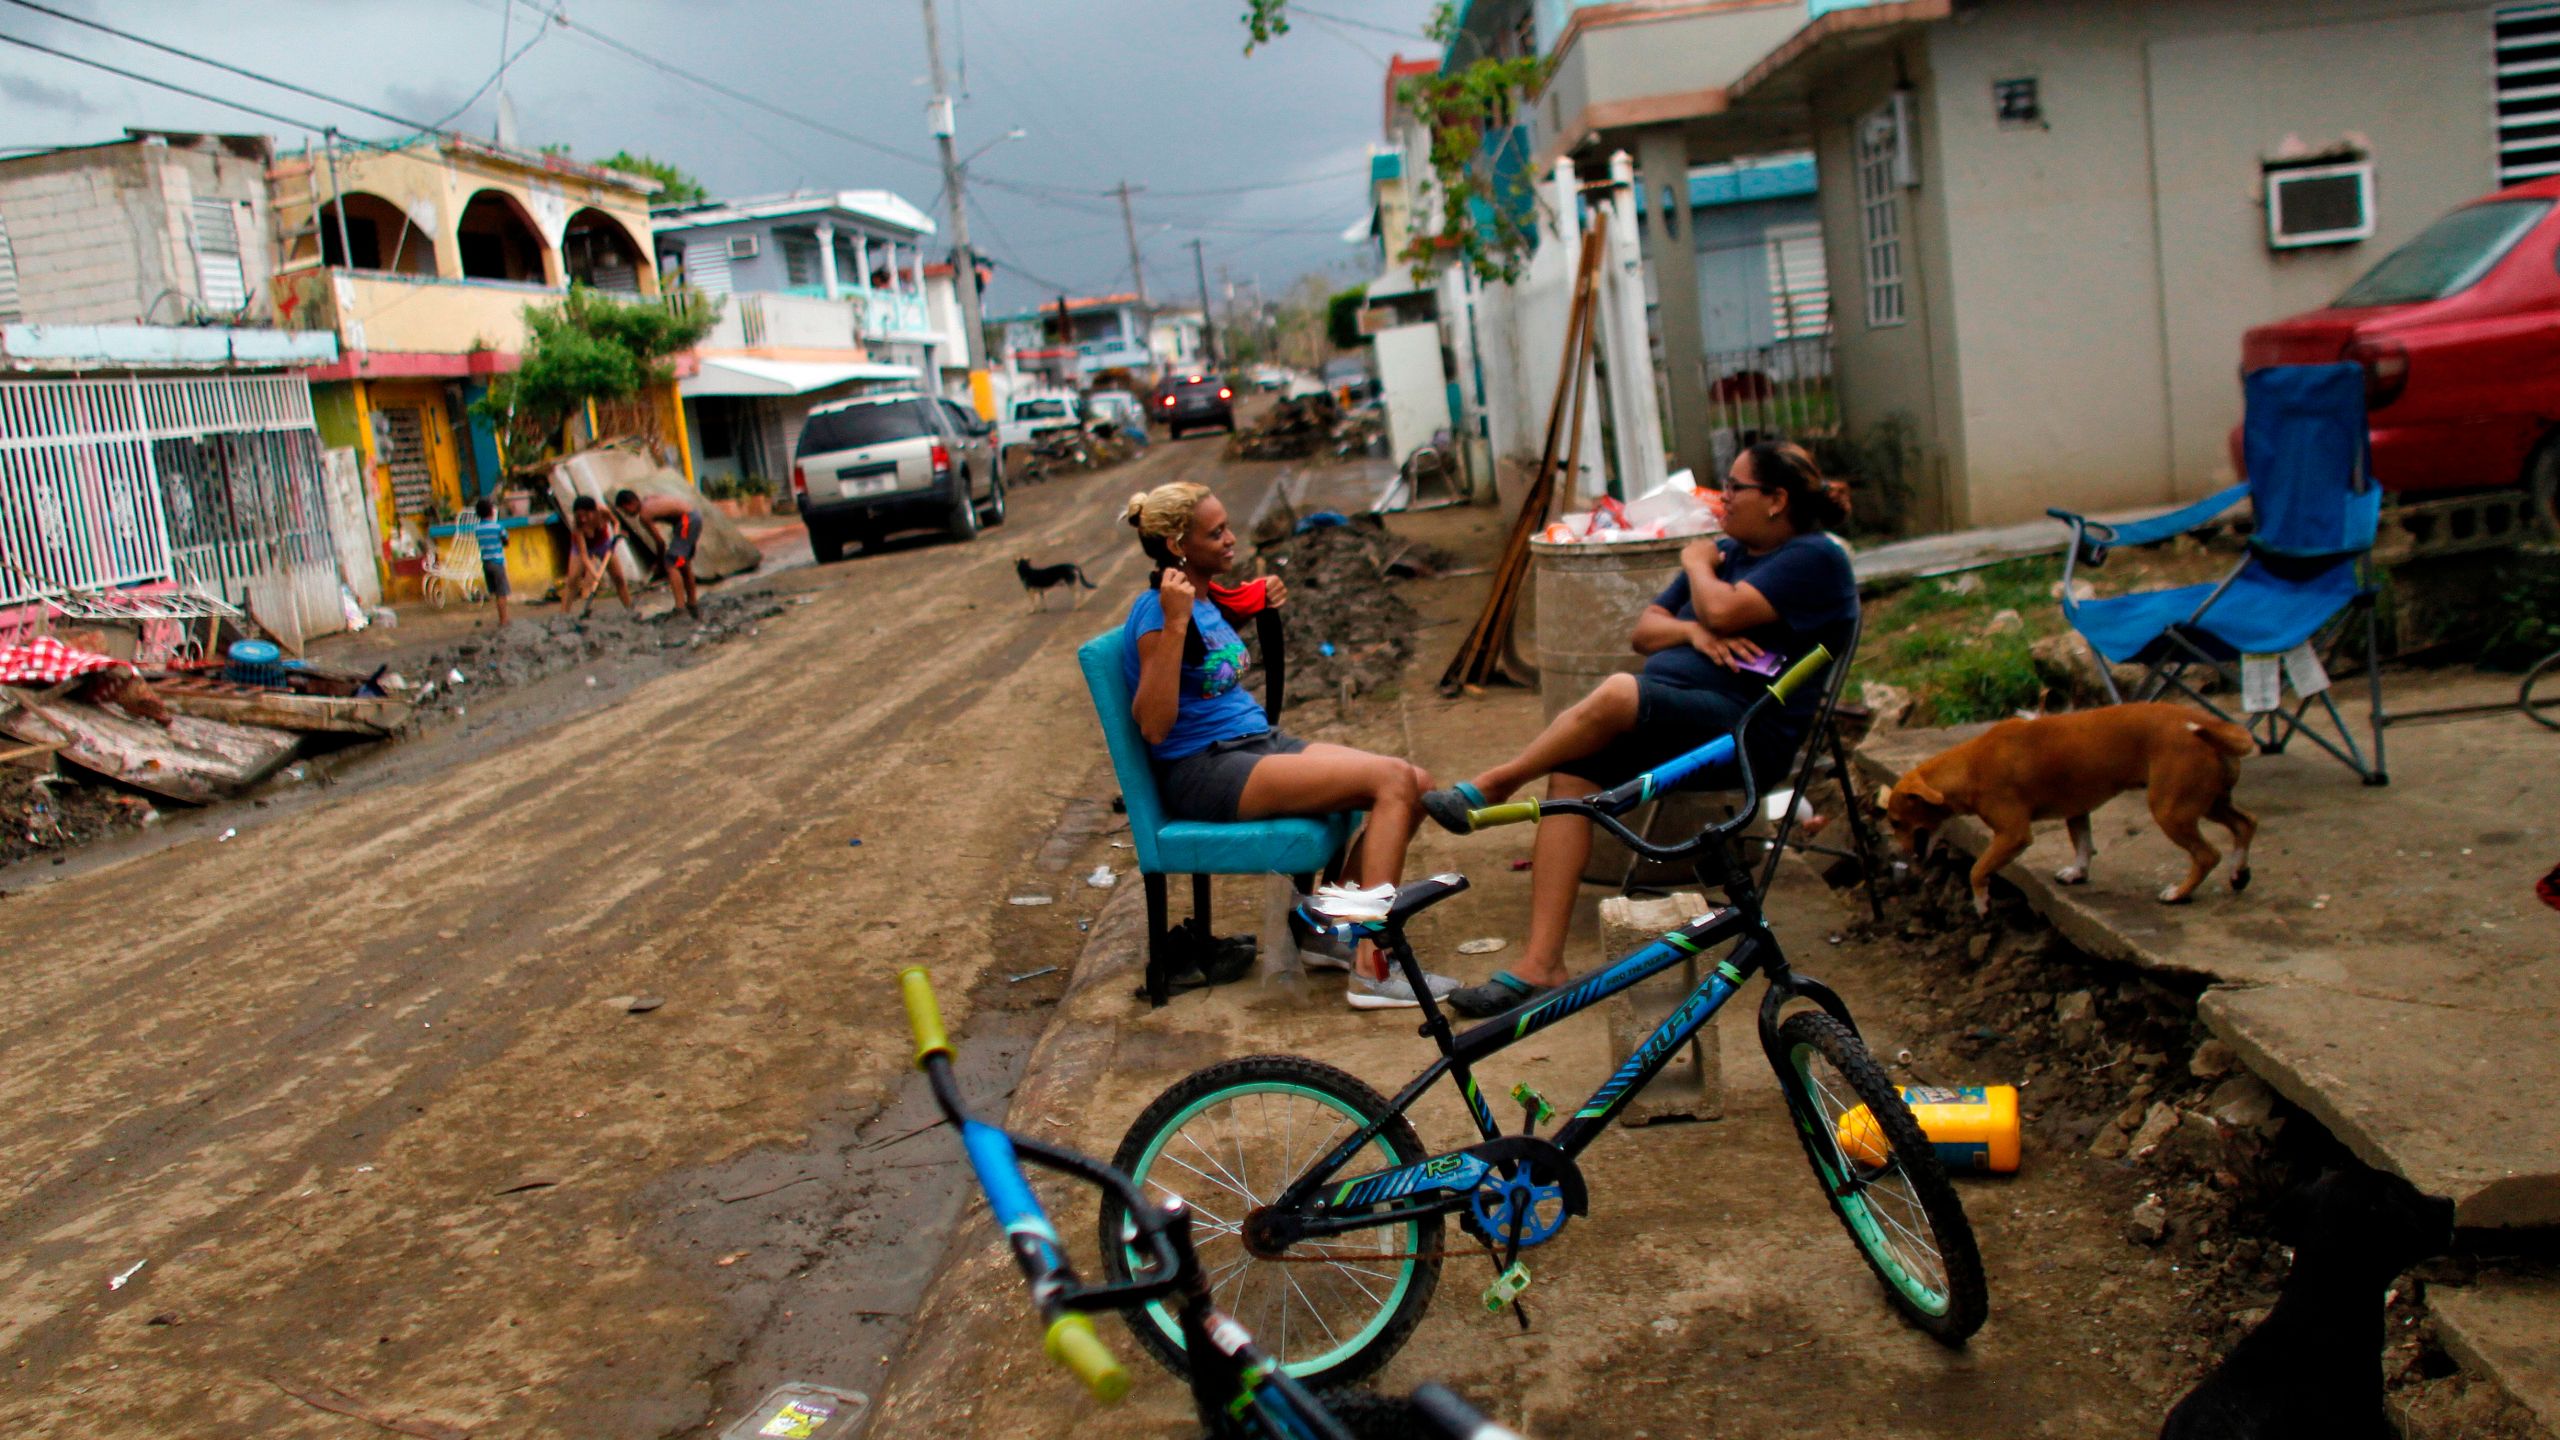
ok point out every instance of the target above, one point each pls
(1535, 1105)
(1506, 1288)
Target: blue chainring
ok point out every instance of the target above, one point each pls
(1501, 1204)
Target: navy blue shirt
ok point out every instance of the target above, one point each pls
(1805, 578)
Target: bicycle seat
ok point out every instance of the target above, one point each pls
(1421, 895)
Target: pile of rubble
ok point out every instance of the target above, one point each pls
(1349, 631)
(41, 813)
(1055, 453)
(1309, 425)
(548, 641)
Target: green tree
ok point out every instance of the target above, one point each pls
(1342, 317)
(589, 346)
(1484, 214)
(675, 186)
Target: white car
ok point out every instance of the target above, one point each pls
(1028, 415)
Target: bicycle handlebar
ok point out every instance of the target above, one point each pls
(1605, 807)
(997, 1161)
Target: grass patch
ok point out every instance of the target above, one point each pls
(1931, 638)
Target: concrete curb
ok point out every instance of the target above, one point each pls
(975, 1299)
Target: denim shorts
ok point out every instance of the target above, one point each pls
(1671, 721)
(1209, 784)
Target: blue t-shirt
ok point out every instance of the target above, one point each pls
(1806, 579)
(493, 541)
(1214, 704)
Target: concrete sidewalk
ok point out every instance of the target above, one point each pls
(2389, 971)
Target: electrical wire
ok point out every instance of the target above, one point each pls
(1354, 22)
(590, 32)
(163, 84)
(241, 71)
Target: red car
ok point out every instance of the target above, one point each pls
(2458, 332)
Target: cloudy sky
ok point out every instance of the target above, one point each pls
(1260, 157)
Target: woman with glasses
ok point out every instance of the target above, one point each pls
(1744, 607)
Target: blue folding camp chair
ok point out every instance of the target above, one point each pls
(2306, 577)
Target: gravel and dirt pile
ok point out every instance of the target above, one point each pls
(1348, 628)
(50, 814)
(1305, 426)
(550, 640)
(2114, 1068)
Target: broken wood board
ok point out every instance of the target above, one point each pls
(194, 760)
(371, 715)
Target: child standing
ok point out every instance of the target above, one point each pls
(493, 554)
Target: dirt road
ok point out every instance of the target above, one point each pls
(354, 1105)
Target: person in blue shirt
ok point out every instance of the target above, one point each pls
(1742, 609)
(493, 554)
(1216, 757)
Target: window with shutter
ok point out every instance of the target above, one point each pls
(221, 283)
(1879, 142)
(1799, 287)
(2526, 72)
(706, 267)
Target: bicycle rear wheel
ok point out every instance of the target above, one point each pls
(1882, 1177)
(1228, 1140)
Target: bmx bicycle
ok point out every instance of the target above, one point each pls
(1321, 1216)
(1238, 1390)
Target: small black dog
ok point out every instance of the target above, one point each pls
(1039, 580)
(2313, 1367)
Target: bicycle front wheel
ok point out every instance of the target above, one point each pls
(1882, 1177)
(1228, 1140)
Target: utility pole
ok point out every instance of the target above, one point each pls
(1129, 222)
(964, 261)
(1208, 323)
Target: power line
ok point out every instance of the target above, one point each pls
(1356, 23)
(163, 84)
(743, 98)
(220, 64)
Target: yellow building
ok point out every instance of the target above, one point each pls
(422, 259)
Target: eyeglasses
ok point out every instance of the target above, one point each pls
(1730, 488)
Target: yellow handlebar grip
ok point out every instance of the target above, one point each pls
(1814, 663)
(1511, 812)
(1073, 1344)
(923, 1016)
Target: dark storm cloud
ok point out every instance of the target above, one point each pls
(32, 94)
(1156, 92)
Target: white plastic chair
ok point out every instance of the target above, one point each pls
(453, 573)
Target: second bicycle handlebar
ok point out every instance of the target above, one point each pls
(1071, 1339)
(1608, 804)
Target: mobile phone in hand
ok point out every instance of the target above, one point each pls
(1767, 663)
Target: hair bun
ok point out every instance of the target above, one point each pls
(1136, 506)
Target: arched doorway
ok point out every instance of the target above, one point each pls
(378, 235)
(497, 241)
(597, 250)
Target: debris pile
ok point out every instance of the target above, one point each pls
(548, 642)
(1309, 425)
(41, 813)
(1064, 451)
(1349, 631)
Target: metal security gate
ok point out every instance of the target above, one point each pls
(215, 484)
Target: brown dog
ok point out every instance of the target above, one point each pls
(2061, 767)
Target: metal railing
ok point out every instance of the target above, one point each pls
(1781, 391)
(214, 483)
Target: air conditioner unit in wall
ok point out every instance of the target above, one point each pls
(2322, 204)
(744, 247)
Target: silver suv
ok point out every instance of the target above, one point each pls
(901, 461)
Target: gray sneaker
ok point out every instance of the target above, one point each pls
(1394, 992)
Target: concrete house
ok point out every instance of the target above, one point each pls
(1102, 332)
(422, 260)
(2051, 224)
(157, 442)
(826, 297)
(2044, 226)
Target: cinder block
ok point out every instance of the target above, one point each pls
(1691, 1086)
